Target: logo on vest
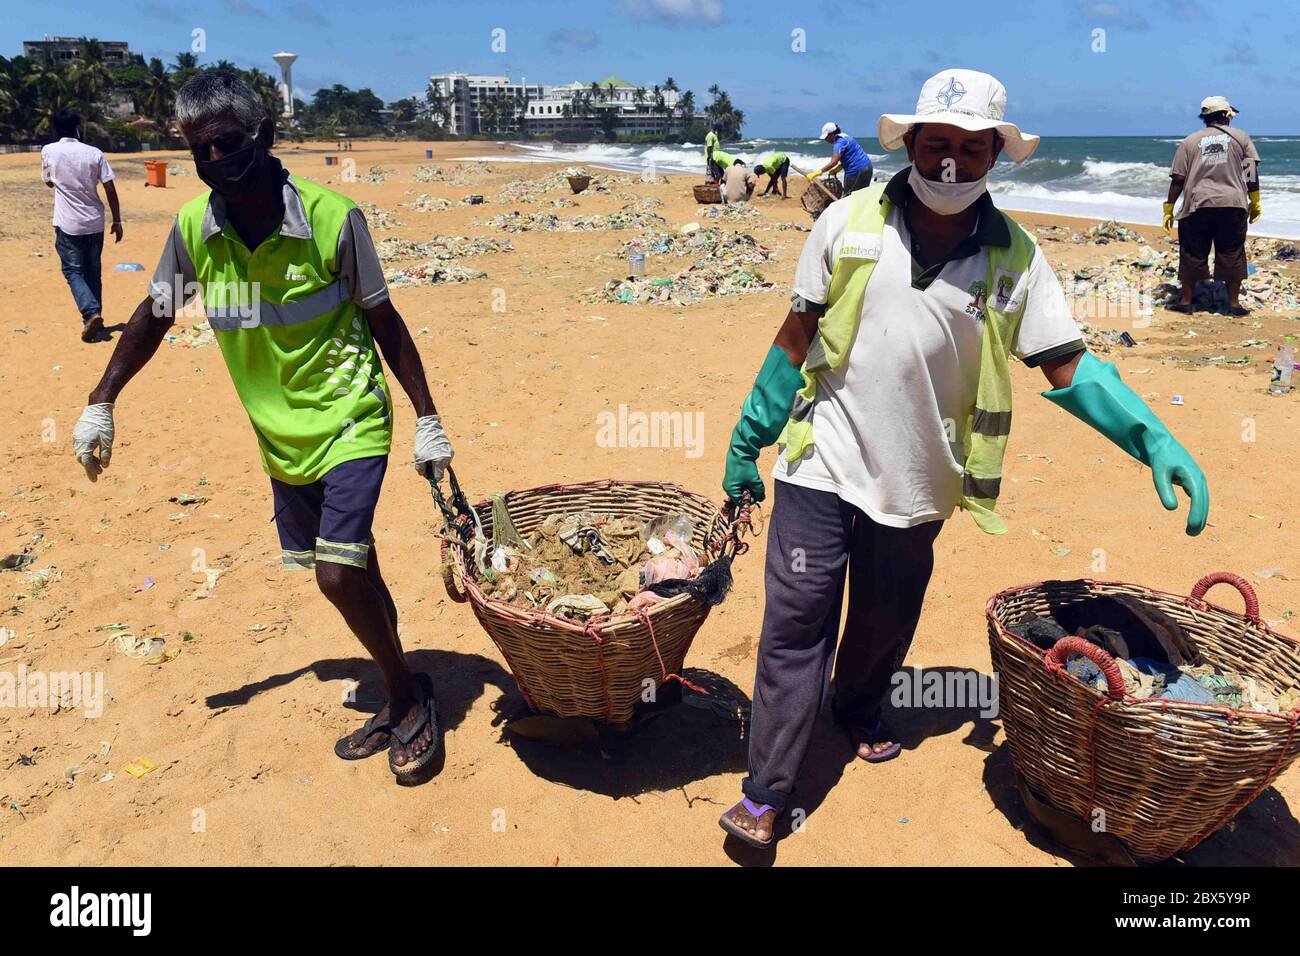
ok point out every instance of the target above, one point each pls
(302, 273)
(860, 245)
(1008, 293)
(979, 295)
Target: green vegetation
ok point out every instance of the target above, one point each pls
(124, 107)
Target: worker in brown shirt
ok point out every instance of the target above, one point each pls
(1216, 171)
(737, 183)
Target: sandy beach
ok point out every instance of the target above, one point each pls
(241, 723)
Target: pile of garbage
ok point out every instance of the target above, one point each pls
(516, 221)
(1112, 230)
(733, 249)
(1156, 657)
(584, 564)
(428, 173)
(466, 174)
(426, 203)
(1150, 278)
(194, 337)
(733, 212)
(441, 248)
(703, 281)
(175, 170)
(377, 176)
(377, 217)
(533, 190)
(783, 226)
(432, 273)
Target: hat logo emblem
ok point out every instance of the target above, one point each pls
(951, 93)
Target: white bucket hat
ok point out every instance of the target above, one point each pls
(964, 98)
(1217, 104)
(827, 129)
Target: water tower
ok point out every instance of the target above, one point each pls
(286, 69)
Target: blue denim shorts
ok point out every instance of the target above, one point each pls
(330, 519)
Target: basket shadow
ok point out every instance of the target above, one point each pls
(674, 744)
(1265, 833)
(458, 681)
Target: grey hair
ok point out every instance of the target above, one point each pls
(214, 93)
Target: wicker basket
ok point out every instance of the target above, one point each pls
(598, 668)
(1166, 774)
(815, 200)
(708, 192)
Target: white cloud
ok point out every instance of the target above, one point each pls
(676, 11)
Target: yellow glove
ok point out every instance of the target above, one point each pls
(1255, 210)
(1169, 218)
(814, 174)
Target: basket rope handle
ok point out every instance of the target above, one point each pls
(1237, 581)
(740, 518)
(1055, 659)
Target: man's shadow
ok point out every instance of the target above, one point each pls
(106, 333)
(458, 681)
(675, 743)
(832, 749)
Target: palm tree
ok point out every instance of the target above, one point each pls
(670, 84)
(439, 105)
(159, 94)
(186, 61)
(686, 105)
(89, 74)
(267, 89)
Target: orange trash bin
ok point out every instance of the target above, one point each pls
(155, 173)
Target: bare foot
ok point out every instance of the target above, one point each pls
(760, 827)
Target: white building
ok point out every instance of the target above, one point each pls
(467, 94)
(548, 109)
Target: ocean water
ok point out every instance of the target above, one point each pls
(1113, 177)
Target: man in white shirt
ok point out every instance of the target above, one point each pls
(889, 391)
(74, 170)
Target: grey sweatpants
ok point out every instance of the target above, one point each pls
(814, 538)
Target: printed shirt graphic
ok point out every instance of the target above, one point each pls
(886, 424)
(307, 372)
(1213, 161)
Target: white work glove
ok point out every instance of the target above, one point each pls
(94, 433)
(431, 446)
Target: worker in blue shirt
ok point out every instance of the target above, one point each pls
(846, 153)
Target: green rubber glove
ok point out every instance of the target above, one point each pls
(1098, 397)
(762, 417)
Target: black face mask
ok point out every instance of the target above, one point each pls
(236, 174)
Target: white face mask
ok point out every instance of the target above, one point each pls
(947, 199)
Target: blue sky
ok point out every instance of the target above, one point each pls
(862, 57)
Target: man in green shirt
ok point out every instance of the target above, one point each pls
(295, 294)
(711, 143)
(777, 167)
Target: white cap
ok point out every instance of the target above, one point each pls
(827, 129)
(966, 99)
(1217, 104)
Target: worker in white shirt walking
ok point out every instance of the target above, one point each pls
(74, 170)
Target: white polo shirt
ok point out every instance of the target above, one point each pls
(76, 170)
(886, 424)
